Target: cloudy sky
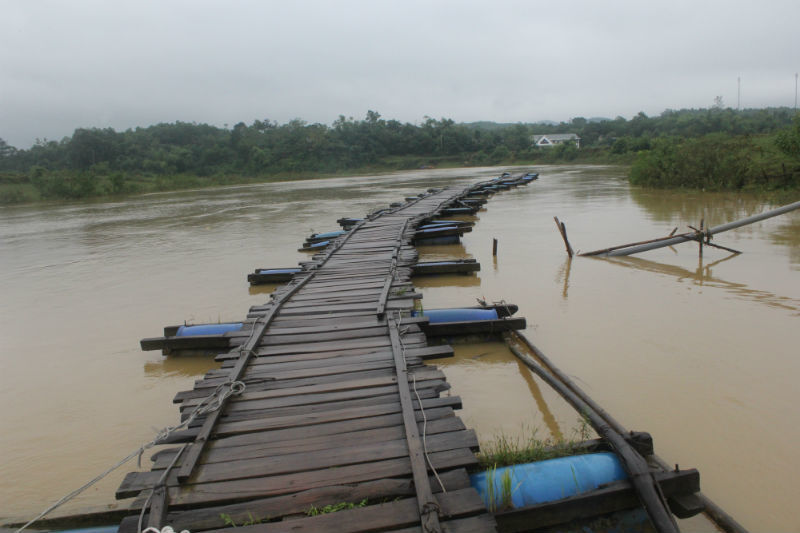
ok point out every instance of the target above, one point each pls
(121, 63)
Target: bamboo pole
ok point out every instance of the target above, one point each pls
(714, 512)
(639, 472)
(635, 248)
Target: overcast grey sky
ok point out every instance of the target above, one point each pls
(122, 64)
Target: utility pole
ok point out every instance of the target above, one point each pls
(738, 93)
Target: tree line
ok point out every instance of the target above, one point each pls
(100, 161)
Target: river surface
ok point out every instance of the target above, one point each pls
(703, 354)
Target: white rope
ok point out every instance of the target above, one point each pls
(398, 321)
(207, 405)
(165, 529)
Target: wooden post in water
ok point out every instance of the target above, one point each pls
(562, 228)
(494, 247)
(700, 240)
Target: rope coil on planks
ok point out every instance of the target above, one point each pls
(165, 529)
(211, 403)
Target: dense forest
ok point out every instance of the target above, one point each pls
(713, 148)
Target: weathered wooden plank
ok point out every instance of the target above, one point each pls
(328, 318)
(429, 388)
(343, 308)
(294, 504)
(258, 373)
(419, 467)
(244, 489)
(355, 323)
(426, 352)
(309, 419)
(441, 421)
(274, 340)
(372, 378)
(313, 295)
(249, 414)
(385, 516)
(374, 341)
(241, 466)
(217, 453)
(279, 366)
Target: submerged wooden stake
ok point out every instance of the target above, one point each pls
(494, 247)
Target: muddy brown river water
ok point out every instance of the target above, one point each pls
(704, 355)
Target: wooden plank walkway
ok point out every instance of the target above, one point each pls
(338, 408)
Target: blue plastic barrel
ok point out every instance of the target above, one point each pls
(436, 316)
(278, 270)
(322, 244)
(436, 225)
(432, 263)
(547, 481)
(434, 229)
(208, 329)
(444, 223)
(328, 235)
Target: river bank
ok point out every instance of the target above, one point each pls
(100, 184)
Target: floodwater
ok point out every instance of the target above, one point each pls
(703, 354)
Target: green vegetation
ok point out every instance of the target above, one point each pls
(314, 511)
(504, 450)
(719, 161)
(506, 490)
(707, 148)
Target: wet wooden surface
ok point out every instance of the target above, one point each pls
(338, 406)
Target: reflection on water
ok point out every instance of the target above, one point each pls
(180, 365)
(681, 208)
(442, 252)
(703, 276)
(266, 288)
(788, 234)
(547, 415)
(447, 280)
(563, 276)
(501, 396)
